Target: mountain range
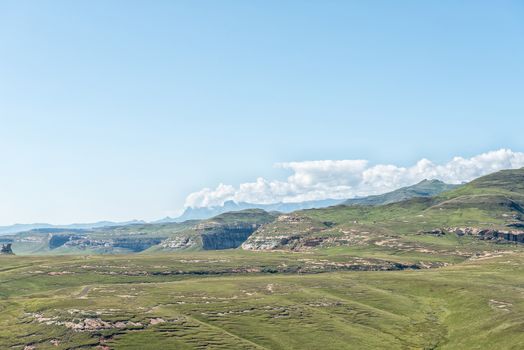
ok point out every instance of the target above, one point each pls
(489, 208)
(16, 228)
(208, 212)
(425, 188)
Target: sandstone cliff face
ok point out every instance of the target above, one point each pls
(264, 243)
(179, 243)
(226, 237)
(207, 237)
(508, 235)
(291, 232)
(134, 244)
(211, 236)
(56, 241)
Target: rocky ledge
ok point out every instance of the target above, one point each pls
(500, 235)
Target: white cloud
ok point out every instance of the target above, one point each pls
(341, 179)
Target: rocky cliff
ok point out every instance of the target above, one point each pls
(290, 231)
(227, 237)
(225, 231)
(490, 233)
(215, 237)
(133, 244)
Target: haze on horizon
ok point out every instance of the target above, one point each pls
(131, 110)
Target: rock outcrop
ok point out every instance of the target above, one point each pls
(490, 234)
(134, 244)
(226, 231)
(56, 241)
(226, 237)
(178, 243)
(290, 232)
(6, 249)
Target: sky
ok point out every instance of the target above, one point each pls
(118, 110)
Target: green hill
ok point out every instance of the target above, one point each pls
(425, 188)
(509, 182)
(225, 231)
(489, 208)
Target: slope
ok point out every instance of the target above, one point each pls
(425, 188)
(490, 208)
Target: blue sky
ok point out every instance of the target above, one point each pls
(121, 109)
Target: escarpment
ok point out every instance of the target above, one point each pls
(227, 237)
(490, 234)
(226, 231)
(133, 244)
(293, 232)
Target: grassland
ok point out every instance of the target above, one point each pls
(262, 300)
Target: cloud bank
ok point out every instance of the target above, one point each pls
(341, 179)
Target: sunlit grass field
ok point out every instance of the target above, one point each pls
(253, 300)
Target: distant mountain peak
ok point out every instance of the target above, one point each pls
(431, 181)
(207, 212)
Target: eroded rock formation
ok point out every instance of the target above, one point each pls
(490, 234)
(6, 249)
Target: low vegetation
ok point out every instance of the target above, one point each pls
(260, 300)
(442, 272)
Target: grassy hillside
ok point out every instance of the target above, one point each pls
(493, 202)
(425, 188)
(506, 182)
